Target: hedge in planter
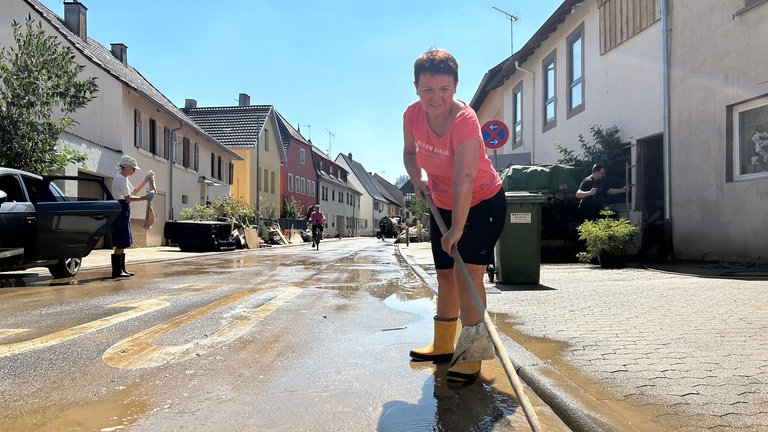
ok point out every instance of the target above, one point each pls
(606, 237)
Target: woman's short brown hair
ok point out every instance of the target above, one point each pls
(436, 61)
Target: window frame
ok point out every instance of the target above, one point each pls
(153, 136)
(290, 182)
(197, 157)
(137, 129)
(517, 115)
(576, 35)
(735, 136)
(548, 123)
(749, 5)
(185, 152)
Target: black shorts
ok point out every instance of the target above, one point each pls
(483, 228)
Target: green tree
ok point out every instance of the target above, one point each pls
(292, 209)
(418, 208)
(605, 147)
(39, 91)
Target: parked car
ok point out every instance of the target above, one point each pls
(41, 227)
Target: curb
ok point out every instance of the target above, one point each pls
(545, 381)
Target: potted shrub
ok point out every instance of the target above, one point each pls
(607, 239)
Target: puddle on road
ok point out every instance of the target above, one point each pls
(489, 404)
(115, 413)
(551, 352)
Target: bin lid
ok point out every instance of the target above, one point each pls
(524, 197)
(548, 179)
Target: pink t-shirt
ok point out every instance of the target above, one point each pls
(317, 218)
(436, 155)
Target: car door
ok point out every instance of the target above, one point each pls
(17, 218)
(69, 225)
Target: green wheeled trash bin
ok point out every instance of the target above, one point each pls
(517, 255)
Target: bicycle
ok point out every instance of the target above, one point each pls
(317, 235)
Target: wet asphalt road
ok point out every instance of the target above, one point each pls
(275, 339)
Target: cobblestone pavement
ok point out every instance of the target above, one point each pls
(665, 350)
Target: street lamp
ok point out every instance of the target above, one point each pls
(512, 18)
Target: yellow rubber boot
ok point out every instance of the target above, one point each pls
(467, 371)
(441, 348)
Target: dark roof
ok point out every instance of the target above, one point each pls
(234, 126)
(390, 191)
(103, 58)
(364, 177)
(318, 155)
(407, 187)
(288, 132)
(497, 75)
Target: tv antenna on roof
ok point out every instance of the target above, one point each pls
(330, 134)
(512, 19)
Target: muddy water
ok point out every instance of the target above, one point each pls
(617, 413)
(334, 356)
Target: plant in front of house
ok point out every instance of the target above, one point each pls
(225, 207)
(607, 238)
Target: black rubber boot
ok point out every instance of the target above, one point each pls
(122, 266)
(117, 267)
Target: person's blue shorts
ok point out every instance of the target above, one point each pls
(483, 228)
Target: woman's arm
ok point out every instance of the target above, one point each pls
(412, 165)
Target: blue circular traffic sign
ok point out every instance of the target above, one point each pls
(495, 134)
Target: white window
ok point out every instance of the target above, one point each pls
(290, 182)
(302, 156)
(517, 110)
(576, 72)
(303, 185)
(750, 139)
(549, 91)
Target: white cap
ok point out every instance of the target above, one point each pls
(128, 161)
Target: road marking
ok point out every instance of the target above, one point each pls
(138, 351)
(141, 307)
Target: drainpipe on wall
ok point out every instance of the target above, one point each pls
(258, 182)
(533, 128)
(171, 159)
(665, 8)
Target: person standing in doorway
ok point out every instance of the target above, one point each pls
(442, 137)
(125, 194)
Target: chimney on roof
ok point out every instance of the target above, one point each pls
(190, 103)
(75, 18)
(120, 51)
(349, 155)
(244, 99)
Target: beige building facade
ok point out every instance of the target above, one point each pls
(129, 117)
(687, 118)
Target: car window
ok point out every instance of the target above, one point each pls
(9, 184)
(33, 188)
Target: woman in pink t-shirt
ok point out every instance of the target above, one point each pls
(442, 137)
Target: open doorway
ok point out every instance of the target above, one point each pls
(650, 195)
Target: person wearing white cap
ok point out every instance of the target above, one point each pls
(125, 193)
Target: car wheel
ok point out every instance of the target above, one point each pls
(65, 267)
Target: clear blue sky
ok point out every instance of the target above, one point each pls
(344, 66)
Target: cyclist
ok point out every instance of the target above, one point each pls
(317, 219)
